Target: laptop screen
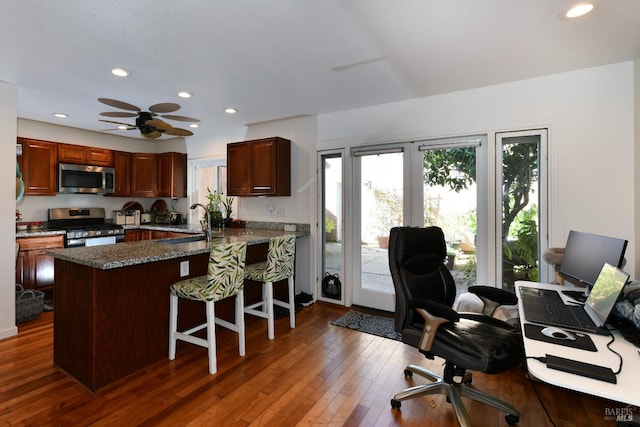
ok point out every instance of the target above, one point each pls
(605, 293)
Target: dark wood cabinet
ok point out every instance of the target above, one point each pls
(172, 175)
(39, 166)
(144, 175)
(259, 167)
(80, 154)
(122, 166)
(131, 235)
(35, 269)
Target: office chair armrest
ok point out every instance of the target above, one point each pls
(435, 309)
(493, 298)
(431, 324)
(500, 296)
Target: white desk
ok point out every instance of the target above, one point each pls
(626, 389)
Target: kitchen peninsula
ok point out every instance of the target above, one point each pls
(111, 314)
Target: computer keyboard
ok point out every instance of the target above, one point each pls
(560, 314)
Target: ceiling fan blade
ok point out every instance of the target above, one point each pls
(118, 114)
(165, 107)
(114, 129)
(178, 132)
(180, 118)
(118, 104)
(158, 124)
(119, 123)
(152, 135)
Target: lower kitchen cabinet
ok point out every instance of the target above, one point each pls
(34, 268)
(131, 235)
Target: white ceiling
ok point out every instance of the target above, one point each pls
(274, 59)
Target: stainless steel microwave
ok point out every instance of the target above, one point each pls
(85, 179)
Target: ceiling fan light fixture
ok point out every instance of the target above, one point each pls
(230, 110)
(123, 127)
(61, 115)
(577, 10)
(120, 72)
(185, 94)
(194, 125)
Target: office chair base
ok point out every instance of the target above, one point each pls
(425, 373)
(455, 393)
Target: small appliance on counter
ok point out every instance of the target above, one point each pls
(118, 217)
(145, 218)
(163, 218)
(176, 218)
(132, 217)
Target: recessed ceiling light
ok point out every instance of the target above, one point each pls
(230, 110)
(185, 94)
(194, 125)
(120, 72)
(61, 115)
(577, 10)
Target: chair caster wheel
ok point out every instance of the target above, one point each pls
(512, 419)
(395, 404)
(408, 373)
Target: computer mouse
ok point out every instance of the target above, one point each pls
(561, 334)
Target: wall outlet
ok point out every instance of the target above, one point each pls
(184, 268)
(289, 227)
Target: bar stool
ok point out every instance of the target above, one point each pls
(224, 279)
(278, 266)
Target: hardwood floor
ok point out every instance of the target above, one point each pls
(315, 375)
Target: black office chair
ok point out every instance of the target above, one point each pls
(425, 292)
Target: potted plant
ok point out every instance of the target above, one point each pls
(227, 204)
(213, 206)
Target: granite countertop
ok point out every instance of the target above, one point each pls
(141, 252)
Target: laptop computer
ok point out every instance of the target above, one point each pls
(546, 307)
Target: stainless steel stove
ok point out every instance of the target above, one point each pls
(85, 227)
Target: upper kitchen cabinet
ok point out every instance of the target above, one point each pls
(39, 160)
(172, 175)
(80, 154)
(144, 175)
(122, 166)
(260, 167)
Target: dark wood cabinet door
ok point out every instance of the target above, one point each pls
(68, 153)
(36, 268)
(172, 175)
(39, 166)
(238, 166)
(260, 167)
(131, 235)
(122, 165)
(100, 156)
(144, 175)
(263, 167)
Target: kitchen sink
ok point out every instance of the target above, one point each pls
(178, 240)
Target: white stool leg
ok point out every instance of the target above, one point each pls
(292, 304)
(268, 286)
(240, 322)
(211, 336)
(173, 325)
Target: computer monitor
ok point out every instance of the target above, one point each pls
(586, 253)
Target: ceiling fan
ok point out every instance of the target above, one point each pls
(147, 122)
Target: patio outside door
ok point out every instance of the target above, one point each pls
(379, 205)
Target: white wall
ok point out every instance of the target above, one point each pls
(590, 114)
(636, 177)
(8, 112)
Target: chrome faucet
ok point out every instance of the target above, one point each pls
(208, 230)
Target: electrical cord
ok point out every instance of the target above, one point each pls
(535, 390)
